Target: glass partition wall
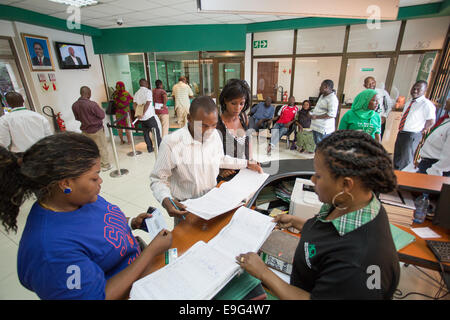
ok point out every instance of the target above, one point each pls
(396, 54)
(206, 72)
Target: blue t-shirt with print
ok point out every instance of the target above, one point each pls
(71, 255)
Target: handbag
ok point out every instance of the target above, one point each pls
(111, 109)
(139, 110)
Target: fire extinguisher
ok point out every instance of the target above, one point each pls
(60, 122)
(285, 97)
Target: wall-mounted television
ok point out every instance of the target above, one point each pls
(71, 55)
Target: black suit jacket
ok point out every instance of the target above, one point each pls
(69, 61)
(45, 62)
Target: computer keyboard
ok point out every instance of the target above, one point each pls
(440, 249)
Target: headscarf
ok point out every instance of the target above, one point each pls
(361, 102)
(121, 97)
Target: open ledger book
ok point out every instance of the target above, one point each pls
(228, 196)
(202, 271)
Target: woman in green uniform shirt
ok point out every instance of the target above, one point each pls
(362, 115)
(346, 251)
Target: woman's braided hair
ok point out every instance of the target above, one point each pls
(350, 153)
(38, 170)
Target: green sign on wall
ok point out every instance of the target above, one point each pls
(259, 44)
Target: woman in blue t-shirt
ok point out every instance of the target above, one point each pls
(75, 244)
(346, 251)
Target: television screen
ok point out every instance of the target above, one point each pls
(71, 55)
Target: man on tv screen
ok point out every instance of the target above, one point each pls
(72, 59)
(40, 59)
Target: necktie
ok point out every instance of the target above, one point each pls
(405, 115)
(40, 61)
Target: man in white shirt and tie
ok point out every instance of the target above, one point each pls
(418, 116)
(149, 120)
(21, 128)
(435, 151)
(189, 159)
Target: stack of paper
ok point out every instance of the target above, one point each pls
(399, 215)
(228, 196)
(202, 271)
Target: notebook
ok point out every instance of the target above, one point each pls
(202, 271)
(401, 238)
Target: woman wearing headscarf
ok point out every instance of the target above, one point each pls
(362, 116)
(122, 100)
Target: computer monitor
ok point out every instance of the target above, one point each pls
(442, 214)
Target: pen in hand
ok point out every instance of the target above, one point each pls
(176, 207)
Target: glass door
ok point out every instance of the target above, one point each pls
(360, 68)
(11, 77)
(226, 69)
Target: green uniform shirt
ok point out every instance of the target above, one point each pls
(351, 121)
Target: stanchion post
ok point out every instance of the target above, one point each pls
(156, 142)
(119, 172)
(133, 152)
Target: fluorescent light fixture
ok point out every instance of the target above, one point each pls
(361, 9)
(77, 3)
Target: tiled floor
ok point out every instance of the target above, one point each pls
(131, 192)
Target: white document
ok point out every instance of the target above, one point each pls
(158, 106)
(202, 271)
(155, 224)
(228, 196)
(425, 233)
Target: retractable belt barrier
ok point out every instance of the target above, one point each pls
(119, 172)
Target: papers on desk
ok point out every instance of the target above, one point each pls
(228, 196)
(425, 233)
(202, 271)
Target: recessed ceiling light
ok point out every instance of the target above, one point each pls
(77, 3)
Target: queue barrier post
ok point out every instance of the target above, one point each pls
(118, 172)
(132, 153)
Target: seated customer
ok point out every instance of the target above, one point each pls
(346, 251)
(75, 244)
(261, 114)
(233, 123)
(362, 115)
(284, 119)
(190, 158)
(305, 138)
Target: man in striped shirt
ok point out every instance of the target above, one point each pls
(190, 158)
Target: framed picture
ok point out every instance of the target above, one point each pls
(38, 52)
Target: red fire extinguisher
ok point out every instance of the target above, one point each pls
(285, 97)
(60, 121)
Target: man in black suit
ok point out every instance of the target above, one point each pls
(71, 59)
(40, 59)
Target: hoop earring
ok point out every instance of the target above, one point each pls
(339, 194)
(67, 190)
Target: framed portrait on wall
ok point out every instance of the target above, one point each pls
(38, 52)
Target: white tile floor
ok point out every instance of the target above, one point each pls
(131, 192)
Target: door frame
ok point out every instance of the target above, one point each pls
(15, 57)
(216, 72)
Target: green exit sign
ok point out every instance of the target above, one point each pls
(229, 70)
(367, 69)
(257, 44)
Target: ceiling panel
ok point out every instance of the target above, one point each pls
(153, 12)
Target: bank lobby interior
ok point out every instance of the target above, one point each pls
(278, 55)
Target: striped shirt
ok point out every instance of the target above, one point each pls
(186, 168)
(182, 91)
(352, 220)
